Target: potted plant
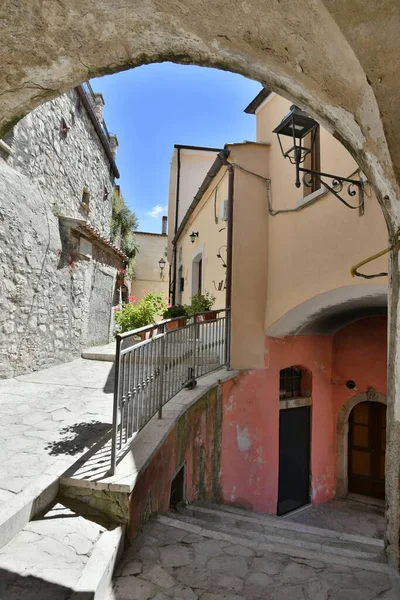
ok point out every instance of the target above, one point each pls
(139, 314)
(121, 277)
(202, 303)
(176, 311)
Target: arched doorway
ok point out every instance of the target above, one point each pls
(366, 449)
(358, 438)
(197, 273)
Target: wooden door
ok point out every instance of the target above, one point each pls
(367, 445)
(294, 459)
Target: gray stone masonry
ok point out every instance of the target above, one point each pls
(53, 299)
(64, 164)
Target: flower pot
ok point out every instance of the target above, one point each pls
(144, 335)
(210, 315)
(177, 324)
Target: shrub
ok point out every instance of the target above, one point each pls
(201, 302)
(139, 314)
(175, 311)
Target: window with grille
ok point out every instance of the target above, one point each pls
(290, 382)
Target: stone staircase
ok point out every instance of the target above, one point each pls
(54, 548)
(270, 533)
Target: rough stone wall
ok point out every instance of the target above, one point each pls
(64, 165)
(46, 288)
(53, 300)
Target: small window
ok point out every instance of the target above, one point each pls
(85, 247)
(106, 193)
(64, 128)
(290, 383)
(85, 200)
(178, 488)
(180, 254)
(181, 284)
(224, 211)
(79, 106)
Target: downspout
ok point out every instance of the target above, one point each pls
(228, 293)
(228, 296)
(178, 179)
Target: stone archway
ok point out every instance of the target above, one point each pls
(339, 61)
(342, 436)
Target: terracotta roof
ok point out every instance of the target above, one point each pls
(96, 235)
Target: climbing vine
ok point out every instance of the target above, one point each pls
(124, 222)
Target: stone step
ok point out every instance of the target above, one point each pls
(273, 523)
(18, 511)
(58, 556)
(359, 557)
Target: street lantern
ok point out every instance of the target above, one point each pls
(299, 127)
(161, 263)
(193, 236)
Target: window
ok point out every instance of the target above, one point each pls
(106, 193)
(180, 254)
(64, 128)
(290, 383)
(313, 160)
(85, 200)
(85, 247)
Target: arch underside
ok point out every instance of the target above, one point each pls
(322, 63)
(328, 312)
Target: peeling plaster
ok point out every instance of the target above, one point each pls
(243, 438)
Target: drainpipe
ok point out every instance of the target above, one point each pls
(178, 179)
(228, 296)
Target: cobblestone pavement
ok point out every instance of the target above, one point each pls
(49, 419)
(165, 562)
(344, 515)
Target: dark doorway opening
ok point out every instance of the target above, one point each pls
(178, 488)
(294, 459)
(367, 446)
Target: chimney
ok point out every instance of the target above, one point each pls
(113, 141)
(164, 225)
(99, 105)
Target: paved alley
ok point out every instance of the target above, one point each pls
(167, 562)
(49, 419)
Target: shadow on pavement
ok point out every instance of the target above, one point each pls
(79, 437)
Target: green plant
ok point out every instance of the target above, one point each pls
(175, 311)
(156, 300)
(201, 302)
(139, 314)
(124, 221)
(133, 316)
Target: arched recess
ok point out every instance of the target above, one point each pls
(197, 272)
(342, 429)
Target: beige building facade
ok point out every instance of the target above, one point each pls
(150, 277)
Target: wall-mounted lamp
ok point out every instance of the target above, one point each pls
(298, 126)
(193, 236)
(161, 263)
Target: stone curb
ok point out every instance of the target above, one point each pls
(97, 575)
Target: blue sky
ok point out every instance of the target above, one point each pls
(153, 107)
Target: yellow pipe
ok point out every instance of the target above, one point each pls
(354, 269)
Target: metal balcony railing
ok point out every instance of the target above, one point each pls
(150, 372)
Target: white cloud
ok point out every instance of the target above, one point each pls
(157, 211)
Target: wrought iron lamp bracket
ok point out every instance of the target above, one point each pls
(336, 186)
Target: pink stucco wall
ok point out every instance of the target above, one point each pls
(250, 425)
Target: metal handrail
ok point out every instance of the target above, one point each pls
(148, 373)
